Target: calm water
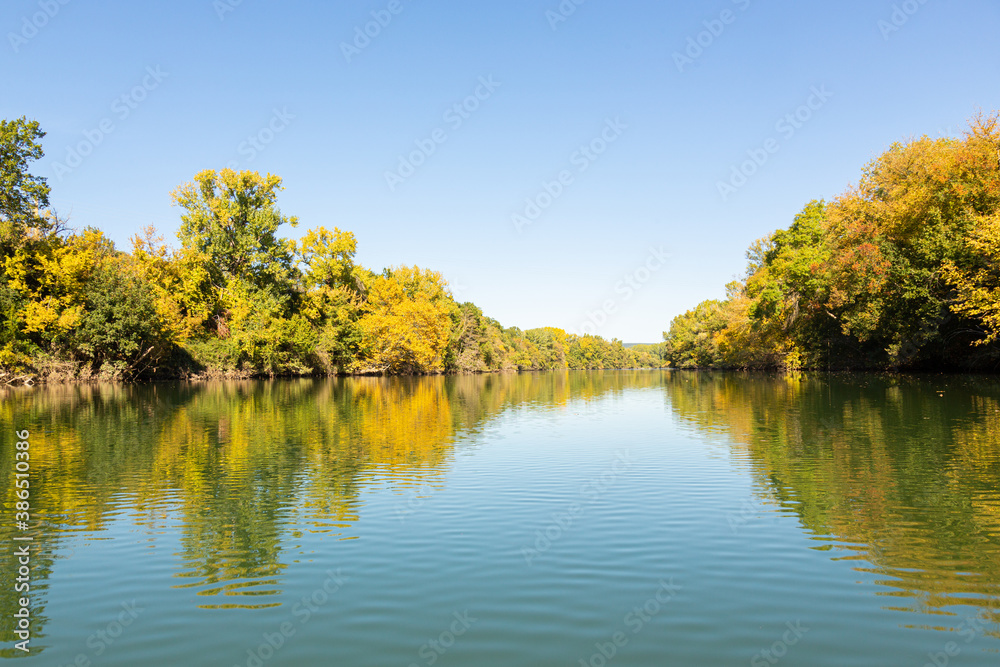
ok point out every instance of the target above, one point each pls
(540, 519)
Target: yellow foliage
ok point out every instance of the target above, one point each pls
(330, 276)
(179, 280)
(211, 195)
(53, 275)
(979, 288)
(328, 256)
(406, 321)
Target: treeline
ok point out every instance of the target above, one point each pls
(902, 271)
(235, 298)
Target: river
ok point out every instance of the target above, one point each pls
(562, 518)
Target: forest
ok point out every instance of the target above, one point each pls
(900, 272)
(235, 298)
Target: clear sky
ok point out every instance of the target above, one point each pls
(617, 120)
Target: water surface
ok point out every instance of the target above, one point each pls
(629, 518)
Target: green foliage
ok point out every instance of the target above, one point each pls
(650, 355)
(479, 344)
(23, 198)
(693, 338)
(120, 325)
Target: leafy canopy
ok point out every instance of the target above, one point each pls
(23, 197)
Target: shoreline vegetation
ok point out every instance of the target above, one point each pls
(236, 300)
(901, 273)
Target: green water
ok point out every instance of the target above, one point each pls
(620, 518)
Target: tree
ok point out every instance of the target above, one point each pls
(232, 219)
(406, 321)
(899, 271)
(978, 284)
(552, 344)
(239, 275)
(976, 275)
(52, 278)
(693, 339)
(24, 199)
(786, 296)
(911, 216)
(121, 328)
(478, 343)
(333, 293)
(328, 259)
(180, 282)
(24, 219)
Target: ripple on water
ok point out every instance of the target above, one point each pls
(700, 515)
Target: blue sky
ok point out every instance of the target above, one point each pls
(586, 112)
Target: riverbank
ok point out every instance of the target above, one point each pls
(12, 378)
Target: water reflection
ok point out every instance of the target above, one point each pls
(901, 473)
(242, 470)
(241, 480)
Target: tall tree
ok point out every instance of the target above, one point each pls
(24, 199)
(232, 218)
(230, 228)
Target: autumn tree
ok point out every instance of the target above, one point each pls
(406, 321)
(978, 283)
(229, 229)
(333, 292)
(24, 219)
(976, 275)
(230, 226)
(899, 271)
(478, 343)
(232, 218)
